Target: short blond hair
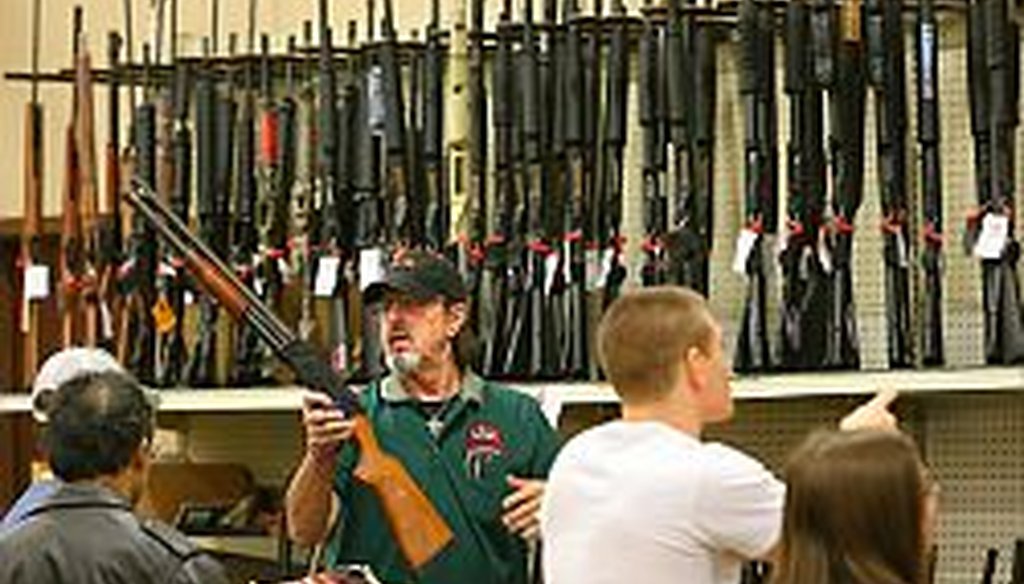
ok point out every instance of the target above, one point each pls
(644, 336)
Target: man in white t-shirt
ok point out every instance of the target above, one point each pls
(643, 499)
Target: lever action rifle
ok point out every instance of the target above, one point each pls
(420, 530)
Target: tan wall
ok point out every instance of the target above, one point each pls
(279, 17)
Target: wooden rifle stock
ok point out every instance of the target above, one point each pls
(419, 529)
(88, 186)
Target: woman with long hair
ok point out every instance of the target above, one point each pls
(860, 509)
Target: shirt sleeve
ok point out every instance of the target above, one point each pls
(740, 503)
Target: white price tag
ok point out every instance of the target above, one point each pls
(995, 231)
(550, 272)
(902, 254)
(371, 267)
(190, 298)
(607, 261)
(326, 276)
(37, 282)
(107, 321)
(285, 269)
(744, 246)
(825, 255)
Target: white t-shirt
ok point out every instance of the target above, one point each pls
(643, 502)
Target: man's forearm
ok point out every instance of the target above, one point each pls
(308, 501)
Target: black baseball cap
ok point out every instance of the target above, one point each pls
(422, 275)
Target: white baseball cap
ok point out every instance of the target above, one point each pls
(64, 366)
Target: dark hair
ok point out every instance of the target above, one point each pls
(855, 508)
(97, 421)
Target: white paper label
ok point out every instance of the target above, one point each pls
(106, 321)
(257, 285)
(326, 276)
(371, 267)
(550, 271)
(744, 246)
(901, 250)
(995, 230)
(37, 282)
(190, 298)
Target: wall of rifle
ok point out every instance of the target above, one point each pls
(558, 159)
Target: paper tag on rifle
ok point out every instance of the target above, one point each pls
(285, 269)
(744, 246)
(37, 282)
(371, 267)
(902, 255)
(825, 255)
(594, 265)
(190, 298)
(995, 231)
(550, 272)
(326, 276)
(106, 321)
(163, 316)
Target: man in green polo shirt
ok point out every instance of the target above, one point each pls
(479, 451)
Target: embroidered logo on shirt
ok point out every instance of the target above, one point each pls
(484, 443)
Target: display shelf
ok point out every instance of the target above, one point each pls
(557, 395)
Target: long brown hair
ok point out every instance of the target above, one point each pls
(855, 505)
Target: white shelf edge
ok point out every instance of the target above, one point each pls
(777, 386)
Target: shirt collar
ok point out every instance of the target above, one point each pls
(472, 388)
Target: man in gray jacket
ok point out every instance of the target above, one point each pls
(98, 443)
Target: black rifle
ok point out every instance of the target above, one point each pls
(570, 349)
(886, 75)
(503, 243)
(396, 183)
(757, 38)
(804, 293)
(928, 137)
(173, 359)
(140, 272)
(688, 243)
(1017, 570)
(525, 333)
(435, 228)
(609, 196)
(685, 244)
(510, 350)
(992, 47)
(846, 83)
(988, 572)
(655, 269)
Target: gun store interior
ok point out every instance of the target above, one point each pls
(429, 290)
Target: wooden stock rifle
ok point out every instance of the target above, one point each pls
(419, 529)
